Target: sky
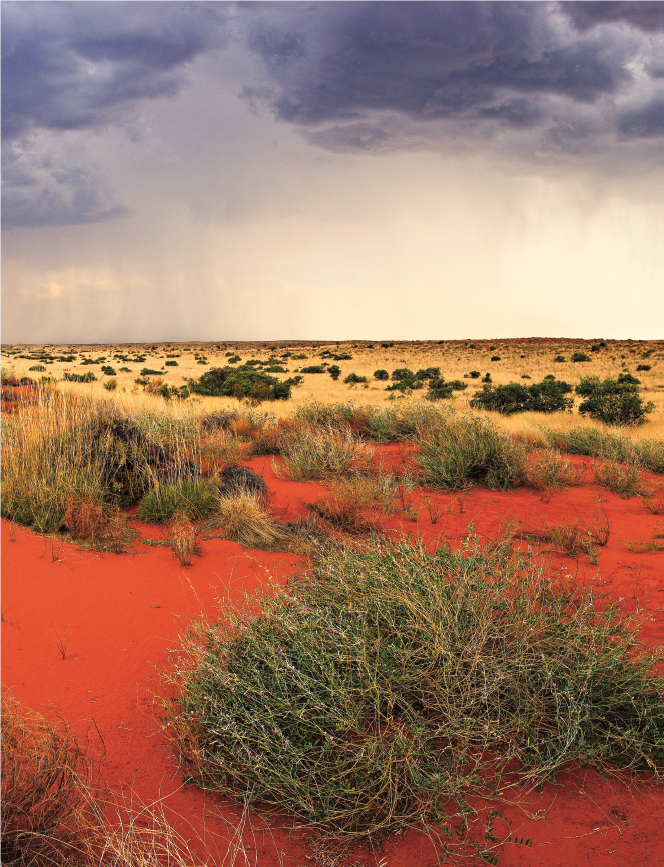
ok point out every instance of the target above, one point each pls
(181, 171)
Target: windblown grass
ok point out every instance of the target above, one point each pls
(392, 681)
(324, 453)
(196, 499)
(57, 812)
(242, 519)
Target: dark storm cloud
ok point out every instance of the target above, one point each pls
(647, 16)
(69, 66)
(646, 121)
(485, 66)
(75, 66)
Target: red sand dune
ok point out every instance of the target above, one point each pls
(121, 614)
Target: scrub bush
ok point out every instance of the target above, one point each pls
(241, 382)
(381, 374)
(353, 378)
(545, 396)
(335, 371)
(580, 356)
(615, 402)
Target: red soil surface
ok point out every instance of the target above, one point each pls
(121, 614)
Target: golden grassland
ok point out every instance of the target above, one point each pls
(522, 360)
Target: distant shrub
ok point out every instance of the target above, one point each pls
(335, 371)
(108, 370)
(125, 370)
(40, 368)
(486, 377)
(495, 358)
(428, 373)
(559, 359)
(613, 401)
(232, 359)
(580, 356)
(354, 378)
(546, 396)
(381, 374)
(111, 384)
(147, 371)
(639, 367)
(171, 364)
(242, 382)
(474, 374)
(439, 389)
(402, 373)
(275, 368)
(79, 377)
(313, 368)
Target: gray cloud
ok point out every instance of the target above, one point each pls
(646, 16)
(485, 66)
(74, 66)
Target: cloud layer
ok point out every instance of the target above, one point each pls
(543, 81)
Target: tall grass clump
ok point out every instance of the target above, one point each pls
(392, 681)
(464, 450)
(378, 424)
(66, 448)
(313, 453)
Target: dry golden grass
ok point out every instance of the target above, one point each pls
(182, 536)
(241, 519)
(531, 358)
(57, 812)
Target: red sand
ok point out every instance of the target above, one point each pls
(120, 614)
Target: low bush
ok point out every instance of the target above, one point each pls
(545, 396)
(107, 370)
(613, 401)
(464, 450)
(391, 684)
(440, 389)
(559, 359)
(474, 374)
(580, 356)
(147, 371)
(495, 358)
(313, 368)
(335, 371)
(40, 368)
(171, 364)
(353, 378)
(639, 367)
(193, 498)
(111, 384)
(381, 375)
(79, 377)
(241, 382)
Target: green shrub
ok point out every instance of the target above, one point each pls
(40, 368)
(108, 370)
(79, 377)
(428, 373)
(495, 358)
(147, 371)
(486, 377)
(580, 356)
(313, 368)
(474, 374)
(402, 373)
(639, 367)
(335, 371)
(465, 450)
(545, 396)
(612, 401)
(625, 479)
(354, 378)
(171, 364)
(559, 359)
(381, 374)
(391, 685)
(322, 454)
(440, 389)
(241, 382)
(195, 498)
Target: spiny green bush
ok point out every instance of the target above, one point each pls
(464, 450)
(391, 681)
(440, 389)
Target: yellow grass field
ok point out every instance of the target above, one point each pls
(522, 360)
